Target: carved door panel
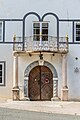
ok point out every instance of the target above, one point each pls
(40, 83)
(34, 84)
(46, 84)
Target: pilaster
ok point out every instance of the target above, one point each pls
(15, 89)
(64, 90)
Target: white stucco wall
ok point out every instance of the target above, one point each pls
(6, 55)
(74, 77)
(16, 9)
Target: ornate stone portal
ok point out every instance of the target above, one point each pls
(64, 90)
(55, 78)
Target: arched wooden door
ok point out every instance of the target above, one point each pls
(40, 85)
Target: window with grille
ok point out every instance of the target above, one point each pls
(36, 31)
(40, 31)
(2, 73)
(77, 31)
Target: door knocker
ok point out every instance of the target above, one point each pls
(46, 80)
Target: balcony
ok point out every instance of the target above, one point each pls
(51, 45)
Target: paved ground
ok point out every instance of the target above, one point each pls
(12, 114)
(70, 108)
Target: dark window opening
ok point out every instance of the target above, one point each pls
(2, 73)
(0, 79)
(77, 32)
(0, 67)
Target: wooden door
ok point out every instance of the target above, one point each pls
(40, 85)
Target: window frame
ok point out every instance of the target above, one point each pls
(1, 40)
(34, 28)
(3, 63)
(41, 28)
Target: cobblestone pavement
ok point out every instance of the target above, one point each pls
(12, 114)
(69, 108)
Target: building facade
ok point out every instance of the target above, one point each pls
(39, 50)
